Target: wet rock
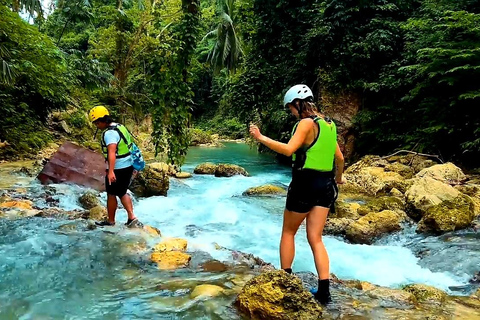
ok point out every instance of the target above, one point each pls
(68, 227)
(89, 200)
(373, 225)
(152, 231)
(427, 192)
(18, 204)
(60, 213)
(477, 293)
(77, 165)
(424, 293)
(183, 175)
(98, 213)
(449, 215)
(277, 295)
(205, 168)
(206, 290)
(387, 294)
(30, 172)
(150, 182)
(382, 203)
(248, 260)
(163, 168)
(475, 278)
(267, 189)
(170, 260)
(229, 170)
(337, 226)
(473, 191)
(171, 244)
(446, 173)
(213, 266)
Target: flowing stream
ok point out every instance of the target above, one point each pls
(54, 269)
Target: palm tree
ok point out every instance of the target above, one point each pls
(227, 50)
(30, 6)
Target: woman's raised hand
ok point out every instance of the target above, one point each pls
(255, 132)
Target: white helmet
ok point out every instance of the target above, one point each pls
(300, 91)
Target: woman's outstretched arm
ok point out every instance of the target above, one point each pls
(289, 148)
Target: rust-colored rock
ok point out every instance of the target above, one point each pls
(77, 165)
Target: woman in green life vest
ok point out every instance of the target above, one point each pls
(317, 169)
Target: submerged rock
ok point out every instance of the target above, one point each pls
(229, 170)
(277, 295)
(206, 290)
(267, 189)
(150, 182)
(374, 224)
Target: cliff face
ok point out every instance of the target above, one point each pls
(342, 108)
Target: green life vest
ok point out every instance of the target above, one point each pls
(123, 146)
(320, 154)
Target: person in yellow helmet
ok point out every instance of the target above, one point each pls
(115, 141)
(313, 189)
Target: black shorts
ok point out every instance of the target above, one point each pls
(309, 189)
(119, 188)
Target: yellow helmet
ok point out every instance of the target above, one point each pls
(97, 113)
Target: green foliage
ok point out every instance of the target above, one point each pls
(170, 85)
(229, 128)
(227, 48)
(37, 83)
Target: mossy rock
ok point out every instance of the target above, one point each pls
(380, 204)
(98, 213)
(265, 190)
(424, 293)
(337, 226)
(402, 169)
(205, 168)
(229, 170)
(450, 215)
(277, 295)
(150, 182)
(89, 200)
(366, 229)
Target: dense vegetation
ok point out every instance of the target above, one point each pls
(217, 65)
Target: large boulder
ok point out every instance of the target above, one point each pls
(405, 171)
(172, 244)
(473, 191)
(229, 170)
(373, 180)
(205, 168)
(89, 200)
(449, 215)
(265, 190)
(150, 182)
(427, 192)
(277, 295)
(374, 224)
(447, 173)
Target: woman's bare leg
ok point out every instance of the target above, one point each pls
(291, 223)
(316, 219)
